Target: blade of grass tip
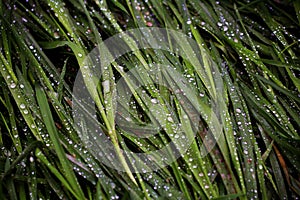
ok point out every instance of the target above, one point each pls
(65, 18)
(91, 22)
(22, 192)
(280, 113)
(51, 128)
(23, 155)
(43, 159)
(160, 11)
(44, 23)
(266, 109)
(89, 193)
(13, 131)
(99, 193)
(274, 26)
(245, 30)
(260, 172)
(53, 184)
(292, 109)
(269, 154)
(11, 189)
(266, 132)
(10, 186)
(280, 64)
(6, 46)
(32, 185)
(292, 75)
(205, 73)
(17, 93)
(61, 81)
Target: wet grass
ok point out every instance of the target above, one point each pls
(254, 47)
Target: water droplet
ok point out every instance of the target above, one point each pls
(154, 100)
(105, 85)
(22, 106)
(149, 24)
(170, 119)
(13, 85)
(56, 35)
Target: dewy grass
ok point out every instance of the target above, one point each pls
(253, 46)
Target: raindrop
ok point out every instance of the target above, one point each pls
(154, 100)
(22, 106)
(238, 110)
(170, 119)
(149, 24)
(56, 35)
(13, 85)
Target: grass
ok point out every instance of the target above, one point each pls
(251, 48)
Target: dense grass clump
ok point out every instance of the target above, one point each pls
(250, 47)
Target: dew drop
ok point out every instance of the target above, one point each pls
(238, 110)
(22, 106)
(154, 100)
(13, 85)
(170, 119)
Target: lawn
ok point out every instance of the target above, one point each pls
(180, 99)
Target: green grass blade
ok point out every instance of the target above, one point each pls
(48, 119)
